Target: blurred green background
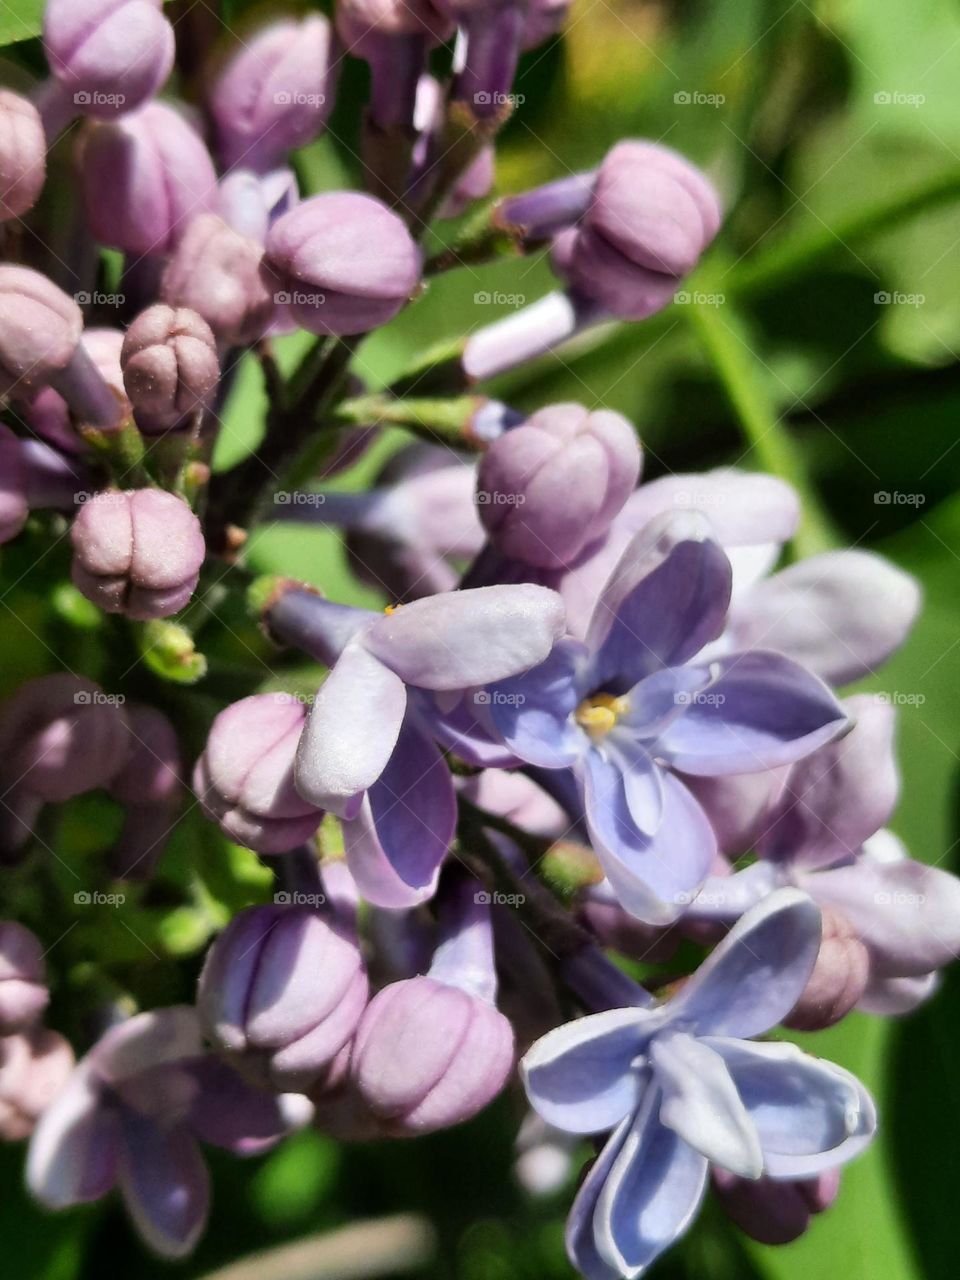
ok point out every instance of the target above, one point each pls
(821, 341)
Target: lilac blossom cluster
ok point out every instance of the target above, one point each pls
(579, 670)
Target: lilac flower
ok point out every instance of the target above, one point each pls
(34, 1067)
(774, 1212)
(683, 1088)
(397, 683)
(23, 155)
(633, 705)
(170, 366)
(14, 504)
(821, 828)
(150, 786)
(40, 330)
(131, 1116)
(48, 413)
(23, 978)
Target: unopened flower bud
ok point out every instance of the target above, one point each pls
(839, 977)
(343, 263)
(108, 55)
(23, 986)
(14, 507)
(275, 92)
(137, 552)
(48, 414)
(651, 217)
(281, 992)
(150, 786)
(34, 1067)
(23, 155)
(770, 1211)
(432, 1051)
(40, 330)
(162, 168)
(549, 488)
(244, 778)
(170, 366)
(215, 271)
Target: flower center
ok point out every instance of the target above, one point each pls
(596, 716)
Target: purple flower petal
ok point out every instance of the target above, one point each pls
(665, 600)
(579, 1078)
(811, 1116)
(461, 639)
(580, 1239)
(651, 1195)
(73, 1151)
(893, 997)
(756, 975)
(165, 1184)
(533, 712)
(701, 1104)
(761, 711)
(228, 1113)
(351, 731)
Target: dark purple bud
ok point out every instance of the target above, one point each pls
(543, 20)
(244, 779)
(281, 993)
(137, 552)
(839, 977)
(216, 272)
(48, 414)
(60, 736)
(492, 36)
(774, 1212)
(549, 488)
(14, 506)
(33, 1069)
(395, 38)
(543, 212)
(144, 178)
(651, 217)
(23, 155)
(432, 1051)
(275, 92)
(473, 184)
(357, 18)
(170, 366)
(150, 785)
(40, 330)
(109, 56)
(23, 978)
(342, 263)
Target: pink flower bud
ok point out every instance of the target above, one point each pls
(244, 778)
(144, 178)
(14, 507)
(342, 263)
(275, 92)
(137, 552)
(170, 365)
(549, 488)
(23, 155)
(33, 1070)
(774, 1212)
(23, 986)
(48, 414)
(40, 329)
(109, 55)
(216, 272)
(281, 992)
(839, 977)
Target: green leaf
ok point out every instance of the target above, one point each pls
(20, 20)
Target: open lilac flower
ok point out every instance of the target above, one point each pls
(682, 1088)
(633, 704)
(131, 1116)
(368, 752)
(821, 827)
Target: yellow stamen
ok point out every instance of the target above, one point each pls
(598, 715)
(391, 609)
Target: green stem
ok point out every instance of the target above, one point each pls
(444, 421)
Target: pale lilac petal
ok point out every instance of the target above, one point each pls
(147, 1040)
(811, 1115)
(841, 613)
(460, 639)
(701, 1104)
(907, 913)
(579, 1076)
(893, 997)
(580, 1239)
(463, 727)
(533, 712)
(165, 1185)
(666, 599)
(760, 711)
(654, 877)
(726, 898)
(838, 797)
(396, 844)
(756, 975)
(73, 1151)
(229, 1113)
(651, 1195)
(739, 807)
(351, 731)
